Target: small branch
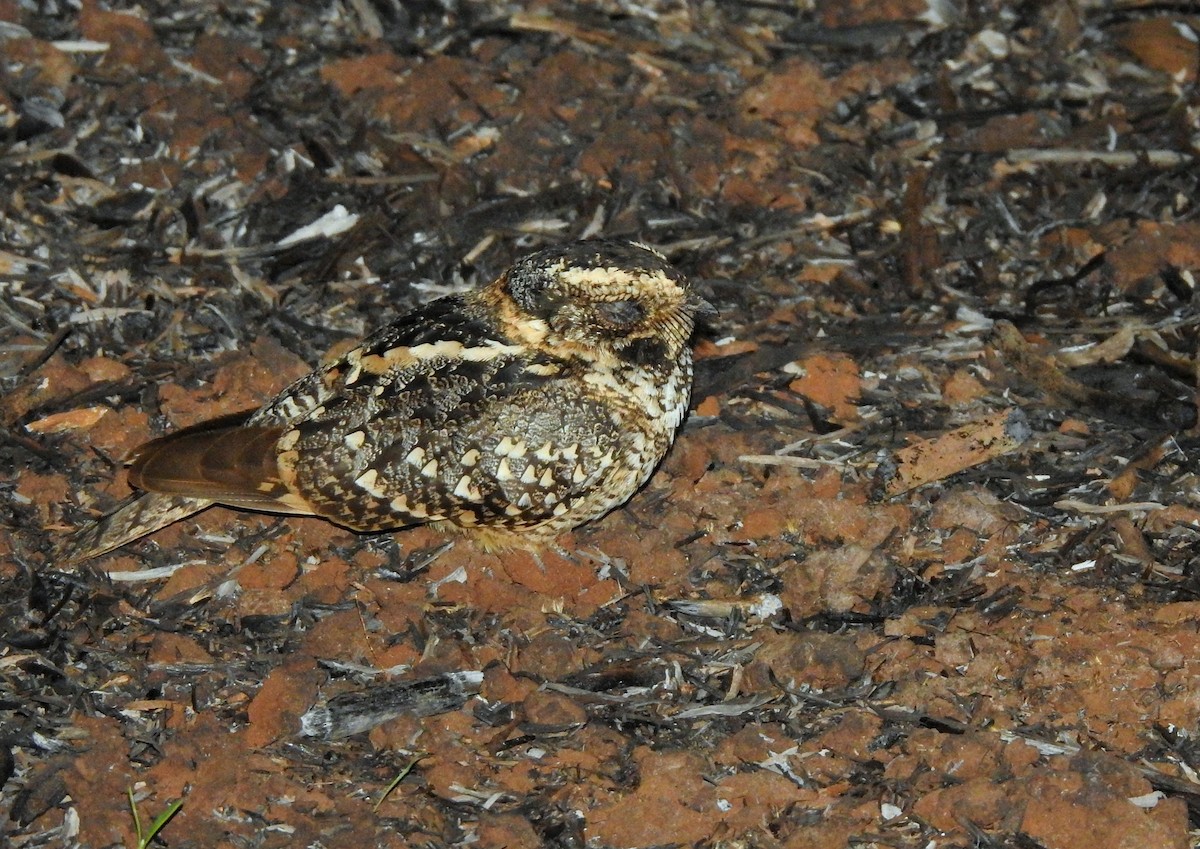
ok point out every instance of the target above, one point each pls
(1128, 507)
(1117, 158)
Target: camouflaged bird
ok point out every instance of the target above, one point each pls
(513, 413)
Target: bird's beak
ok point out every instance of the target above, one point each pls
(700, 308)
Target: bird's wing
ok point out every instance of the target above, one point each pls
(395, 381)
(392, 449)
(235, 464)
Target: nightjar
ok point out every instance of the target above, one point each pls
(513, 413)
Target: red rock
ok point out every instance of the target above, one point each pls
(805, 658)
(549, 712)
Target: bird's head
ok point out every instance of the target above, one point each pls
(601, 298)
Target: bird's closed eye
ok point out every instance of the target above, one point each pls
(621, 313)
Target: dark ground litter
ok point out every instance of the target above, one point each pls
(920, 570)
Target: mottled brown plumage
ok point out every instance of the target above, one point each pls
(515, 412)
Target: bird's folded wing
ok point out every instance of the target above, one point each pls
(235, 465)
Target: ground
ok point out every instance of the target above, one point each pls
(920, 570)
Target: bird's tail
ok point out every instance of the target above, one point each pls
(137, 516)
